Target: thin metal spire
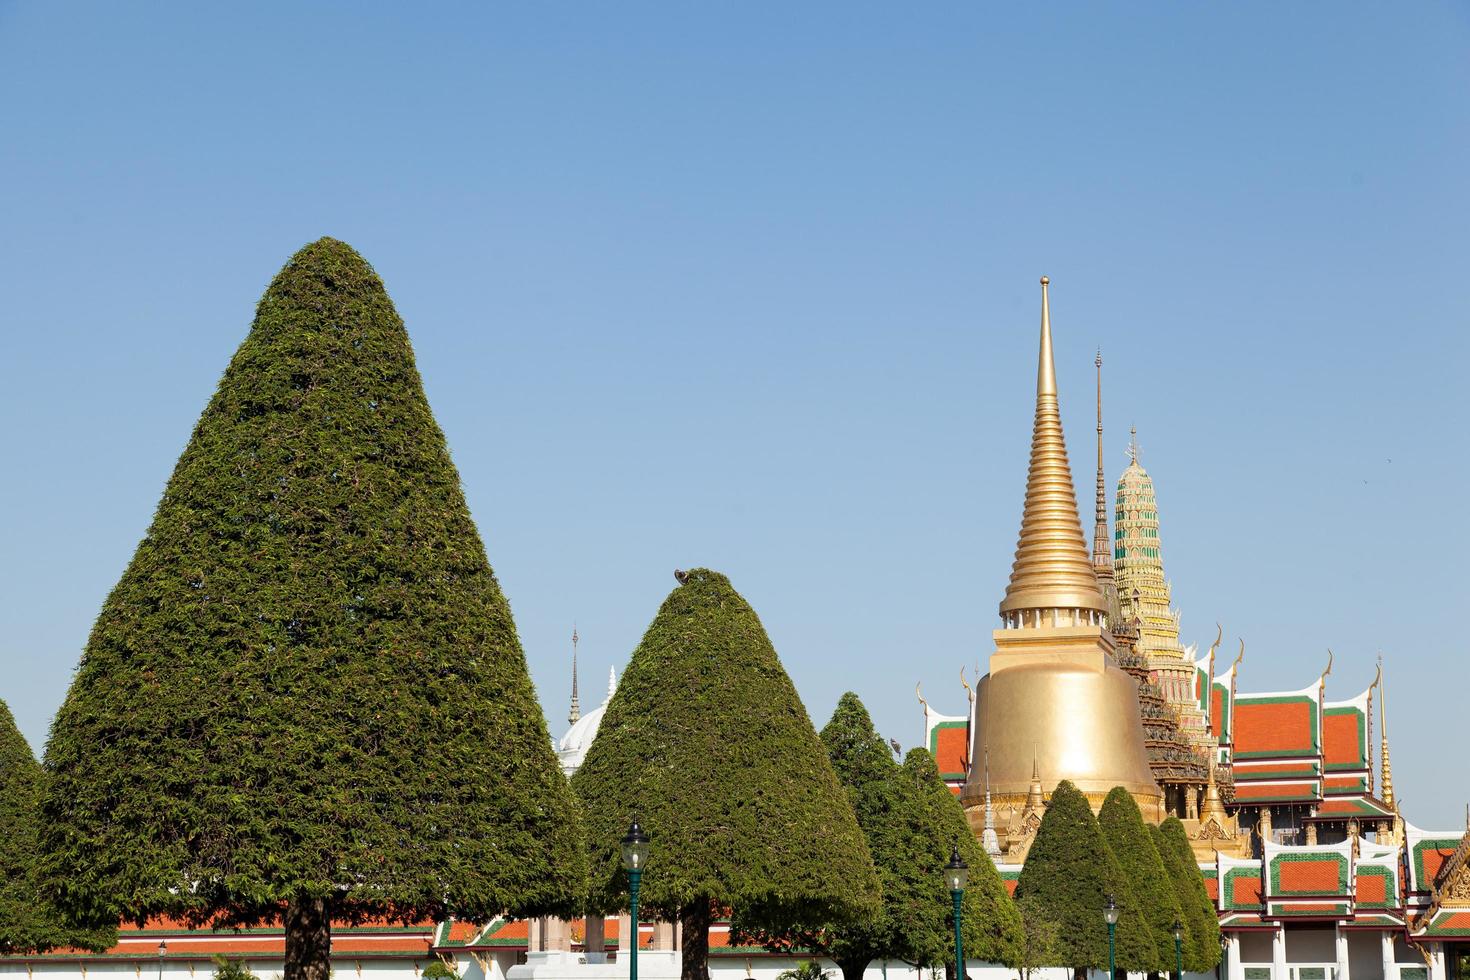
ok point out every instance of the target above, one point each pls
(576, 711)
(1102, 548)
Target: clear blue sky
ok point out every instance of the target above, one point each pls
(754, 287)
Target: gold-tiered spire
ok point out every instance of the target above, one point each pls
(1052, 569)
(1102, 548)
(1383, 730)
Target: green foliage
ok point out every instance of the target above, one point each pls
(911, 821)
(228, 969)
(1042, 945)
(1149, 882)
(708, 744)
(1070, 871)
(439, 970)
(992, 929)
(1197, 912)
(27, 923)
(307, 684)
(808, 970)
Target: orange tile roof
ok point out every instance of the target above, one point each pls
(1245, 890)
(1274, 727)
(1342, 739)
(1372, 888)
(951, 749)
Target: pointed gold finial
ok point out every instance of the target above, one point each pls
(1322, 681)
(1384, 764)
(1035, 793)
(1052, 569)
(1239, 656)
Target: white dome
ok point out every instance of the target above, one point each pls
(572, 747)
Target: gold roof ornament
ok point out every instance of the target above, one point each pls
(1052, 567)
(1385, 765)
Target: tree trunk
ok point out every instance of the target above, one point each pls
(854, 969)
(308, 939)
(694, 922)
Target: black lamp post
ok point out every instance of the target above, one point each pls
(956, 873)
(635, 856)
(1110, 915)
(162, 949)
(1178, 950)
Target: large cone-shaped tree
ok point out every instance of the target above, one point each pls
(27, 924)
(991, 924)
(1152, 886)
(1069, 873)
(305, 699)
(707, 743)
(1197, 911)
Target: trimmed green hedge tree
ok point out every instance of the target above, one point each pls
(28, 924)
(992, 928)
(1071, 871)
(708, 744)
(305, 699)
(1151, 884)
(1201, 920)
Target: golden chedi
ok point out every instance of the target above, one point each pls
(1054, 700)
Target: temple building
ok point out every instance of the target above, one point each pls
(1287, 796)
(1314, 872)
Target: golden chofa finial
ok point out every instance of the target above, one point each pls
(1322, 681)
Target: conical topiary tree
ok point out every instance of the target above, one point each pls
(707, 743)
(1150, 883)
(1201, 921)
(868, 773)
(27, 924)
(992, 928)
(1071, 871)
(305, 699)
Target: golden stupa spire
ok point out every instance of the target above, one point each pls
(1383, 734)
(1052, 569)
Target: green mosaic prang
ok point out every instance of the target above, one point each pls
(1319, 858)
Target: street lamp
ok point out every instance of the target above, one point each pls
(1110, 915)
(956, 873)
(635, 856)
(1178, 950)
(162, 949)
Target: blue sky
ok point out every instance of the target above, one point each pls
(754, 287)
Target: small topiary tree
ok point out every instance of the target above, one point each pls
(437, 969)
(1070, 871)
(992, 928)
(27, 923)
(305, 699)
(1151, 885)
(708, 744)
(228, 969)
(1197, 912)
